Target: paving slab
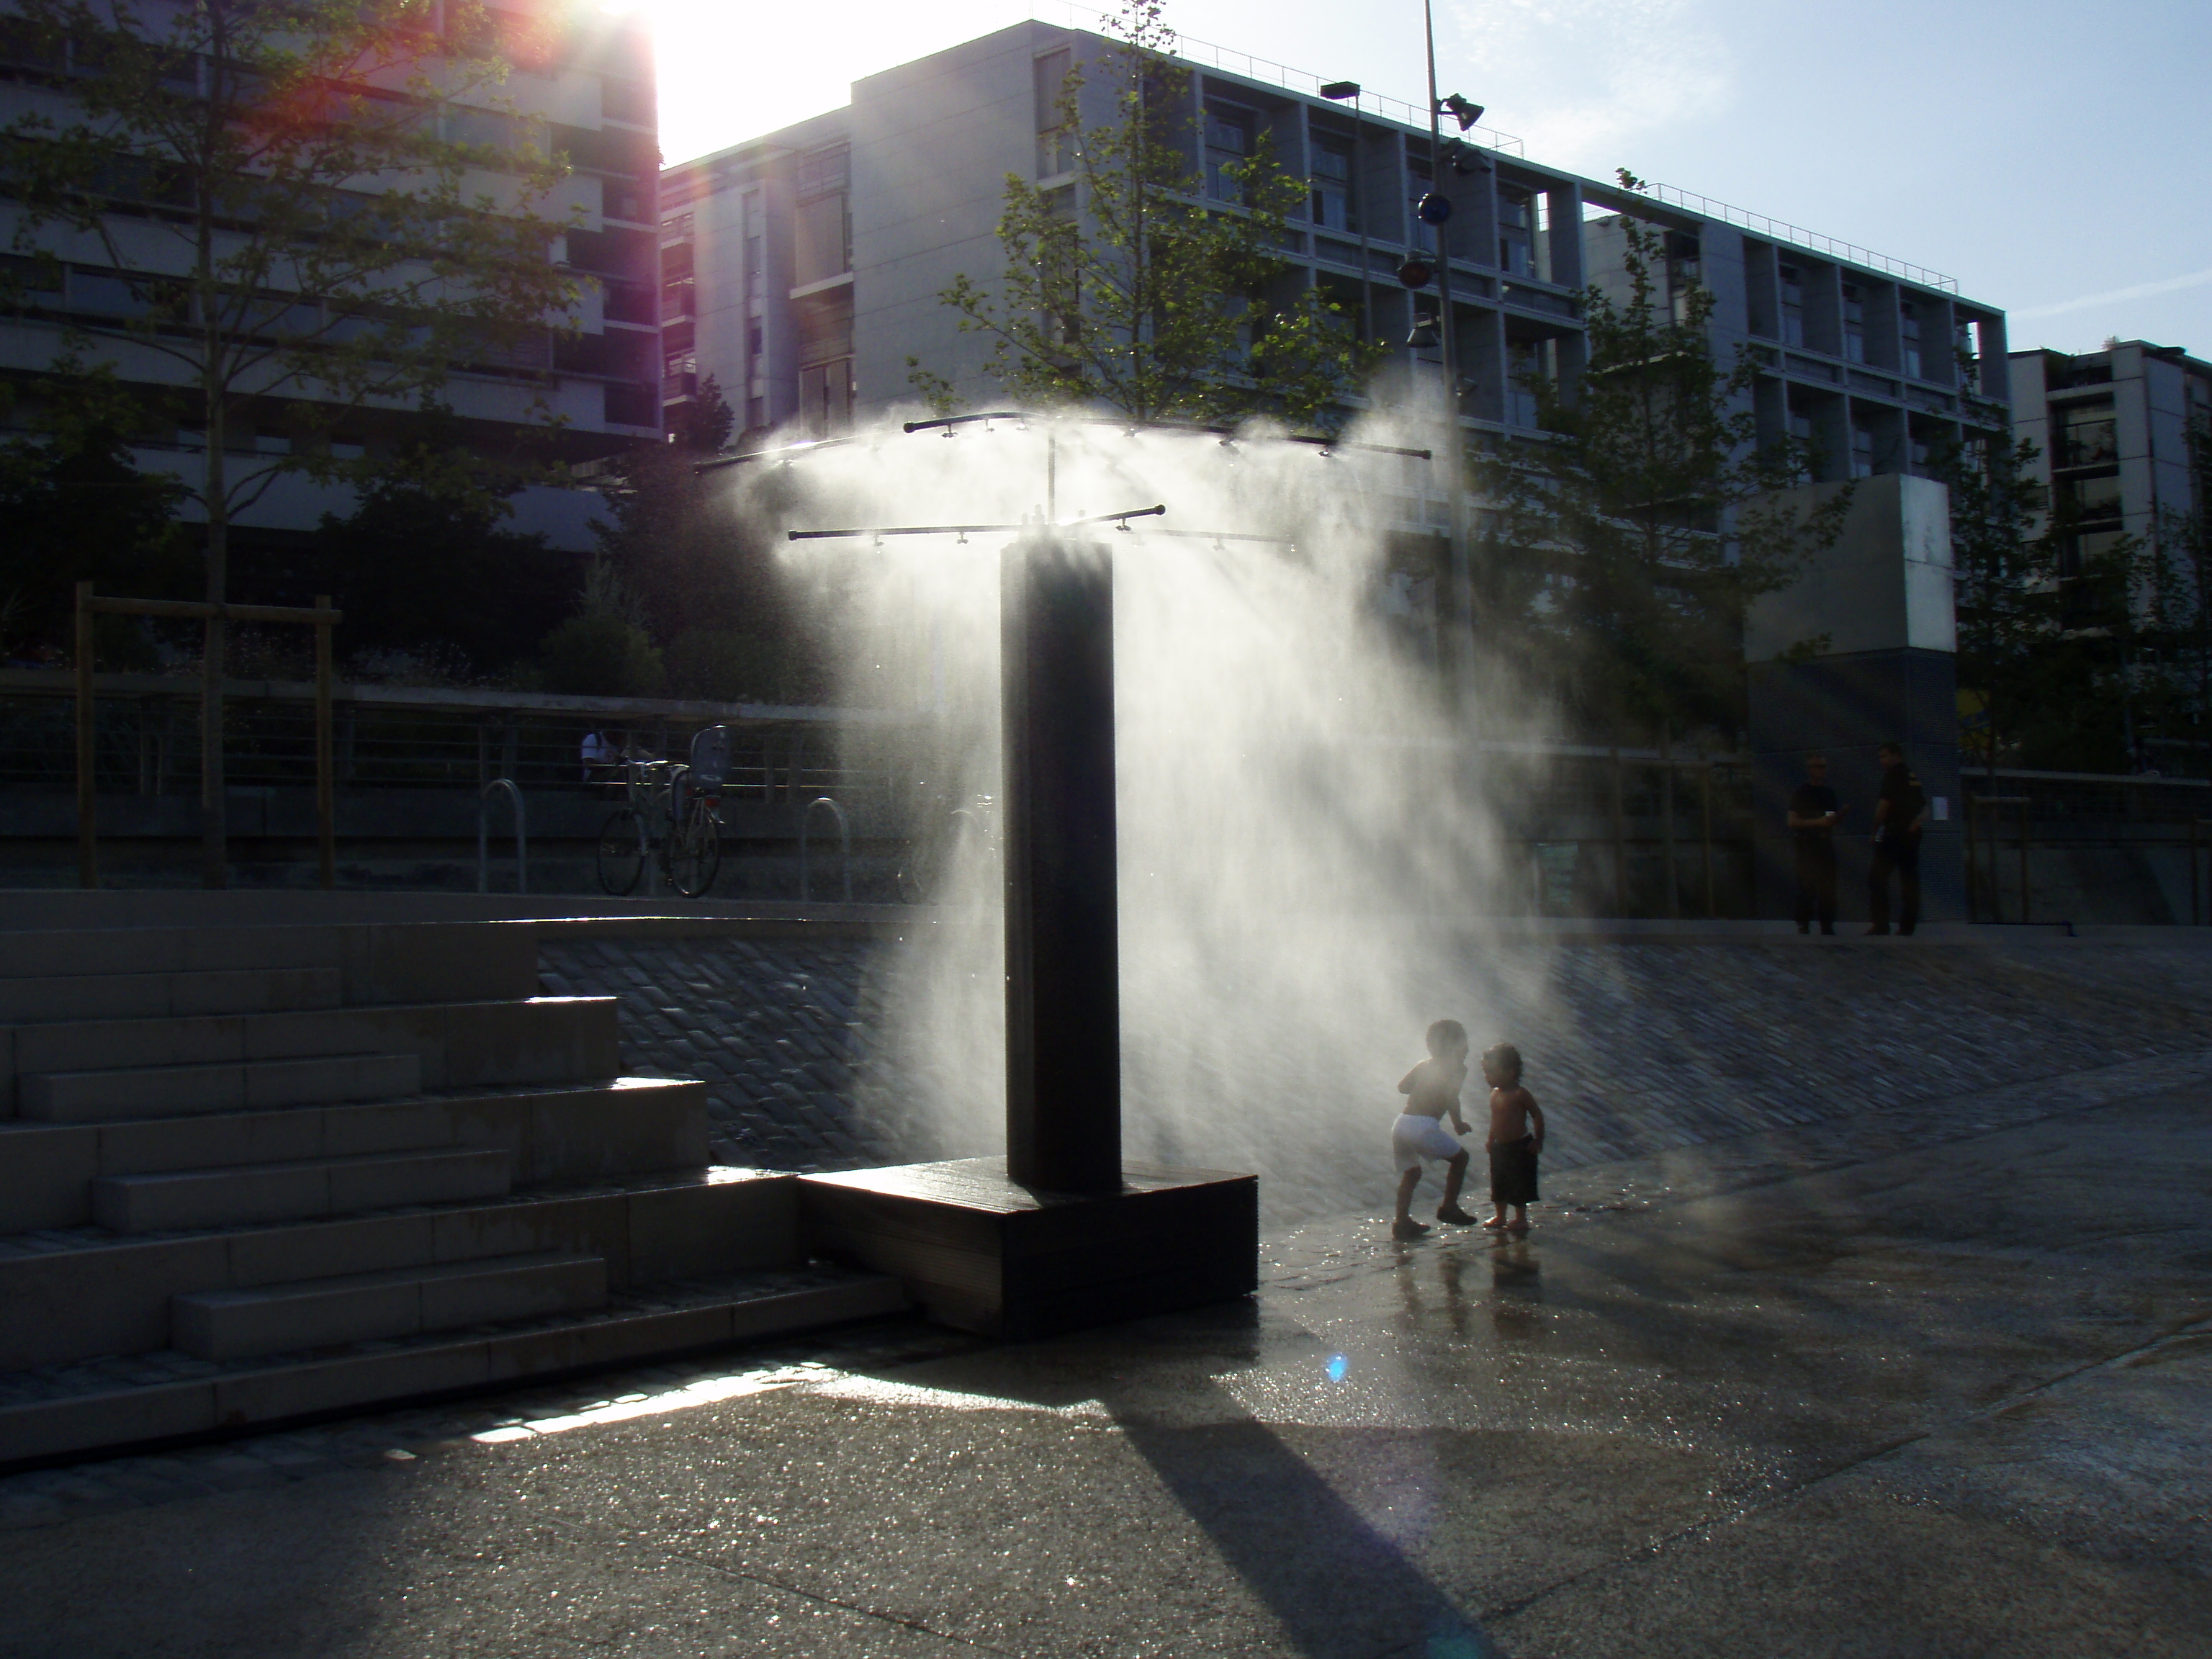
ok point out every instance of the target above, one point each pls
(1943, 1395)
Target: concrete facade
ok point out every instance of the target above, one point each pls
(594, 88)
(805, 313)
(2110, 431)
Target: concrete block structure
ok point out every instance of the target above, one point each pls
(1878, 602)
(589, 77)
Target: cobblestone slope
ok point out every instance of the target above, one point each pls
(1633, 1049)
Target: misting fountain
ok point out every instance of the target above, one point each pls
(1063, 1231)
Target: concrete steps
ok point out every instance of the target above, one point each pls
(241, 1194)
(459, 1044)
(56, 1413)
(225, 1148)
(76, 1294)
(561, 1135)
(317, 1313)
(144, 996)
(144, 1091)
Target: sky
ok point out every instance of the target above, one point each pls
(2053, 155)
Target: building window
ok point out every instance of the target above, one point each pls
(1861, 451)
(1908, 333)
(1684, 272)
(1516, 220)
(1332, 185)
(2088, 438)
(1793, 306)
(755, 414)
(1229, 145)
(822, 246)
(1055, 139)
(825, 396)
(1524, 368)
(1855, 343)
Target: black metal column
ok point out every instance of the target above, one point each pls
(1063, 960)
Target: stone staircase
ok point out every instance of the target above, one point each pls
(252, 1174)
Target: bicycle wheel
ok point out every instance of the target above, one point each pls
(622, 852)
(694, 853)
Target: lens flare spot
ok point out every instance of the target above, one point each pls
(1337, 1366)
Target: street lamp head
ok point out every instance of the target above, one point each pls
(1460, 111)
(1424, 336)
(1340, 90)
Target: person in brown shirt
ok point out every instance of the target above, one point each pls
(1516, 1136)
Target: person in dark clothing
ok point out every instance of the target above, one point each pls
(1813, 811)
(1899, 815)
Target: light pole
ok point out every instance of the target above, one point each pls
(1450, 452)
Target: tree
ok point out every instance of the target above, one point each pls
(707, 585)
(422, 568)
(2184, 577)
(2005, 583)
(77, 509)
(1629, 539)
(602, 651)
(1132, 289)
(304, 208)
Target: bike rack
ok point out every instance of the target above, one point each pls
(844, 848)
(483, 837)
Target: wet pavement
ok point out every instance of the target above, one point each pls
(1950, 1396)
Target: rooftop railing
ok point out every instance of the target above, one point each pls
(1206, 55)
(1850, 252)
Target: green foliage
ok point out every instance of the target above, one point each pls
(1625, 544)
(421, 568)
(600, 657)
(1130, 289)
(675, 538)
(603, 650)
(309, 206)
(2182, 579)
(721, 665)
(76, 509)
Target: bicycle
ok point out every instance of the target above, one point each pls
(680, 800)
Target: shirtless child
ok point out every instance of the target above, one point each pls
(1516, 1136)
(1432, 1090)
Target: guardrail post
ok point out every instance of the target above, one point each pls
(1705, 819)
(844, 849)
(483, 837)
(87, 832)
(1619, 841)
(326, 837)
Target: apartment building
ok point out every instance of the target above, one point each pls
(2110, 431)
(801, 269)
(588, 74)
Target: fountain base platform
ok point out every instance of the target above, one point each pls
(981, 1252)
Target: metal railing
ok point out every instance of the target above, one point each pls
(1204, 54)
(145, 738)
(1781, 231)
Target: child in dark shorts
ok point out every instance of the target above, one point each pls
(1516, 1136)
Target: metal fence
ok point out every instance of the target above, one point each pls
(147, 738)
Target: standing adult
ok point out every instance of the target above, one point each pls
(1899, 815)
(1813, 811)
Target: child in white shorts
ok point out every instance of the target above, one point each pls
(1433, 1091)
